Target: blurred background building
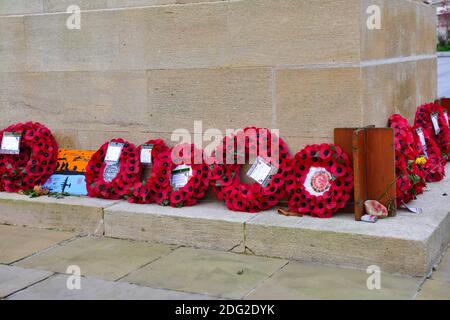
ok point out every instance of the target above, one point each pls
(443, 14)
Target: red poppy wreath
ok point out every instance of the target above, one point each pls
(182, 177)
(147, 191)
(431, 117)
(113, 181)
(410, 174)
(239, 148)
(35, 162)
(321, 181)
(434, 162)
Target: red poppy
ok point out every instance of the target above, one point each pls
(251, 142)
(423, 119)
(322, 181)
(36, 161)
(125, 179)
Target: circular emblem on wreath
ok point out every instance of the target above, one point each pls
(320, 181)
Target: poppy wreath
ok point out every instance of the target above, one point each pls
(321, 180)
(129, 172)
(434, 167)
(147, 191)
(225, 170)
(197, 184)
(35, 163)
(410, 174)
(423, 119)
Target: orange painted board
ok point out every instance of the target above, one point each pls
(73, 161)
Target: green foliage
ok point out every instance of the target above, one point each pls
(442, 47)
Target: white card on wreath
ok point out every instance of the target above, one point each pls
(423, 142)
(113, 152)
(435, 120)
(446, 117)
(261, 171)
(146, 154)
(180, 176)
(10, 143)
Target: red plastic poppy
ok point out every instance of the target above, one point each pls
(410, 178)
(165, 193)
(320, 181)
(36, 161)
(227, 161)
(424, 119)
(129, 172)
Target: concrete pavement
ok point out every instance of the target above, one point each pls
(444, 76)
(123, 269)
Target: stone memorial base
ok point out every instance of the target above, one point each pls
(407, 244)
(141, 69)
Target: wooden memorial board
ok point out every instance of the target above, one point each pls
(373, 154)
(69, 176)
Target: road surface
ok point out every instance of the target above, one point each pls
(444, 77)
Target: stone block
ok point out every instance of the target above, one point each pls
(312, 102)
(226, 275)
(219, 98)
(434, 290)
(407, 29)
(103, 101)
(314, 282)
(397, 88)
(206, 225)
(17, 243)
(78, 214)
(16, 7)
(104, 258)
(13, 279)
(13, 52)
(55, 288)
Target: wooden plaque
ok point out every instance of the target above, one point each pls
(373, 154)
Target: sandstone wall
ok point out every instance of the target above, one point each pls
(142, 68)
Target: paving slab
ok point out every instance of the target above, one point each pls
(307, 281)
(55, 288)
(408, 244)
(442, 272)
(207, 225)
(18, 242)
(226, 275)
(434, 290)
(79, 214)
(104, 258)
(13, 279)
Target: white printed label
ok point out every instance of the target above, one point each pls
(423, 142)
(10, 143)
(318, 181)
(435, 120)
(261, 172)
(146, 154)
(113, 153)
(180, 176)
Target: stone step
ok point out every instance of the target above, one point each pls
(80, 214)
(407, 244)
